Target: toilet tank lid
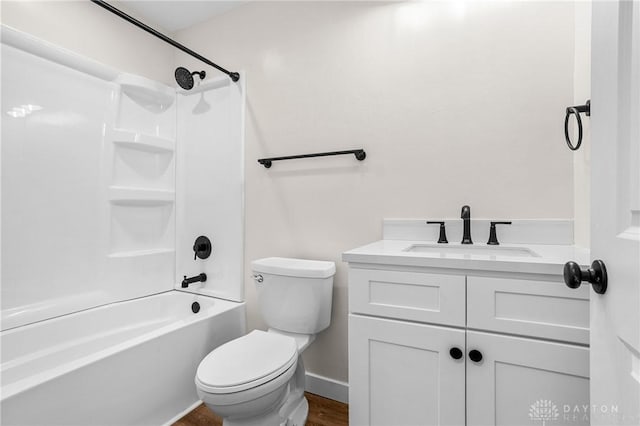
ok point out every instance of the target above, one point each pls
(294, 267)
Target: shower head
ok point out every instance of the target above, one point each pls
(184, 77)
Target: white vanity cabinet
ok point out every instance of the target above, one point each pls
(530, 331)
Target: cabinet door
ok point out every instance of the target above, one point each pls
(523, 382)
(401, 373)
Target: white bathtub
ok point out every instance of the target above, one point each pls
(127, 363)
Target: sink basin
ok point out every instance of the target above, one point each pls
(471, 250)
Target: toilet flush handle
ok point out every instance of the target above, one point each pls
(258, 278)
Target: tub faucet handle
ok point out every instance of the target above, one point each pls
(202, 247)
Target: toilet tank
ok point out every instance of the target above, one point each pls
(294, 295)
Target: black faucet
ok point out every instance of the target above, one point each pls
(442, 239)
(186, 281)
(465, 215)
(493, 237)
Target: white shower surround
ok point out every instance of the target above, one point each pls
(88, 183)
(90, 188)
(93, 210)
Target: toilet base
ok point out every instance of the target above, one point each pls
(292, 410)
(297, 417)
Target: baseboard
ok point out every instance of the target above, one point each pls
(183, 413)
(328, 388)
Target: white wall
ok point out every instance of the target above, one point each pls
(90, 30)
(454, 102)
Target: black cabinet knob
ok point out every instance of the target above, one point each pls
(475, 355)
(456, 353)
(596, 275)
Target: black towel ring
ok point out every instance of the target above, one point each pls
(576, 110)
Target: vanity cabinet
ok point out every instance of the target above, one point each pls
(530, 331)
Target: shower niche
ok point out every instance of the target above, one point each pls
(142, 161)
(142, 172)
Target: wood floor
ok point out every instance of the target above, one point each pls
(322, 412)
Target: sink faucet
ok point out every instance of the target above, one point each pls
(465, 215)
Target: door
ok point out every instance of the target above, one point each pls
(403, 373)
(518, 381)
(615, 211)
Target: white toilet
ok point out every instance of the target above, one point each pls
(258, 379)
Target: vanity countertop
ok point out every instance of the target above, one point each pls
(546, 259)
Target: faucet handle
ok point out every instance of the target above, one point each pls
(202, 247)
(442, 239)
(493, 238)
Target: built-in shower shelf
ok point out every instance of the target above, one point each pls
(139, 253)
(142, 142)
(151, 95)
(140, 196)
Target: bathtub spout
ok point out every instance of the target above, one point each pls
(198, 278)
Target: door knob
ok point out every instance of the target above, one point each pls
(596, 275)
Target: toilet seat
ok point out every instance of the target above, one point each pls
(247, 362)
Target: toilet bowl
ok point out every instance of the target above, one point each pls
(258, 379)
(247, 376)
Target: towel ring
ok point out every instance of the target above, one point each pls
(575, 110)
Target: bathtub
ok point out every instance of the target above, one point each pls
(127, 363)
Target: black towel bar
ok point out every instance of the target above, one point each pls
(359, 153)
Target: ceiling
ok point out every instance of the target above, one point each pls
(175, 15)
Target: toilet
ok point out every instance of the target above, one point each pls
(258, 379)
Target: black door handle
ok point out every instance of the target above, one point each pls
(596, 275)
(456, 353)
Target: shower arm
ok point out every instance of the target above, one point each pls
(233, 75)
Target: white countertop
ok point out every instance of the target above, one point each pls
(550, 259)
